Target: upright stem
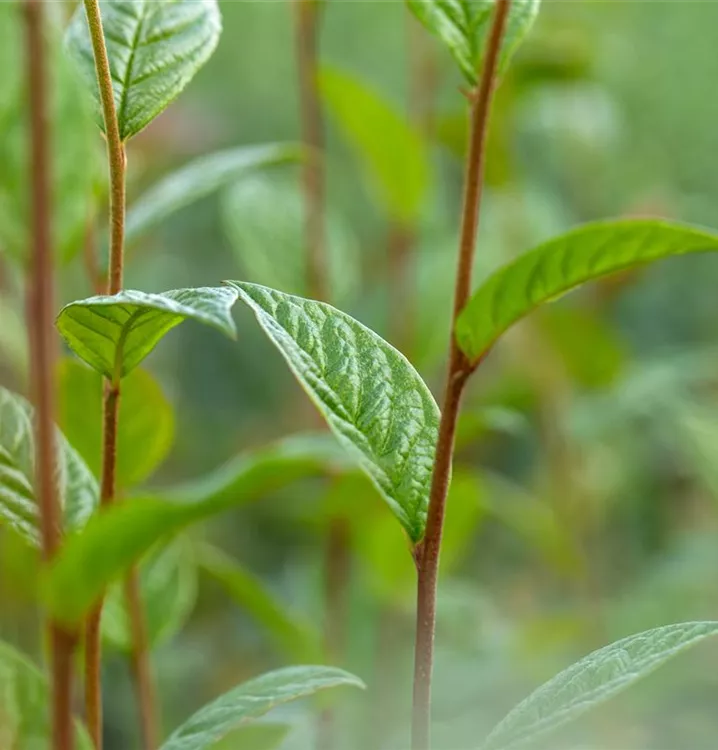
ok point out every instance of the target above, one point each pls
(312, 126)
(111, 404)
(428, 550)
(336, 551)
(141, 666)
(42, 358)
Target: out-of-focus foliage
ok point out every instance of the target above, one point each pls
(584, 505)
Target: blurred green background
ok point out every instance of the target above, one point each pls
(586, 477)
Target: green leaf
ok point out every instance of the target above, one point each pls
(558, 266)
(270, 244)
(155, 49)
(146, 424)
(199, 179)
(372, 398)
(113, 540)
(464, 25)
(75, 155)
(253, 699)
(115, 333)
(25, 720)
(77, 487)
(292, 636)
(389, 148)
(168, 588)
(593, 680)
(257, 736)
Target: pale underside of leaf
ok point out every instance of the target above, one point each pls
(252, 700)
(154, 48)
(370, 395)
(560, 265)
(115, 333)
(77, 488)
(593, 680)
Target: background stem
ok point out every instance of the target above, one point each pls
(40, 302)
(111, 402)
(428, 550)
(337, 561)
(312, 128)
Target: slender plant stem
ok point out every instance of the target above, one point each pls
(141, 666)
(42, 356)
(115, 146)
(111, 403)
(312, 126)
(427, 552)
(336, 552)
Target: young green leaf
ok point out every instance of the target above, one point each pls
(113, 540)
(146, 425)
(115, 333)
(463, 26)
(199, 179)
(77, 487)
(560, 265)
(252, 700)
(25, 720)
(270, 244)
(389, 148)
(154, 48)
(293, 637)
(168, 587)
(372, 398)
(593, 680)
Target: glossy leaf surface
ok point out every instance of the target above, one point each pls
(154, 48)
(560, 265)
(113, 334)
(372, 398)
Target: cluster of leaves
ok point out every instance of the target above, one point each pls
(376, 404)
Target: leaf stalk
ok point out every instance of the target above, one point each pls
(427, 552)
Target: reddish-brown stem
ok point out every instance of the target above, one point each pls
(117, 163)
(93, 671)
(141, 664)
(40, 303)
(427, 552)
(312, 127)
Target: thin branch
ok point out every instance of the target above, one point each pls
(427, 552)
(42, 358)
(141, 665)
(111, 403)
(312, 126)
